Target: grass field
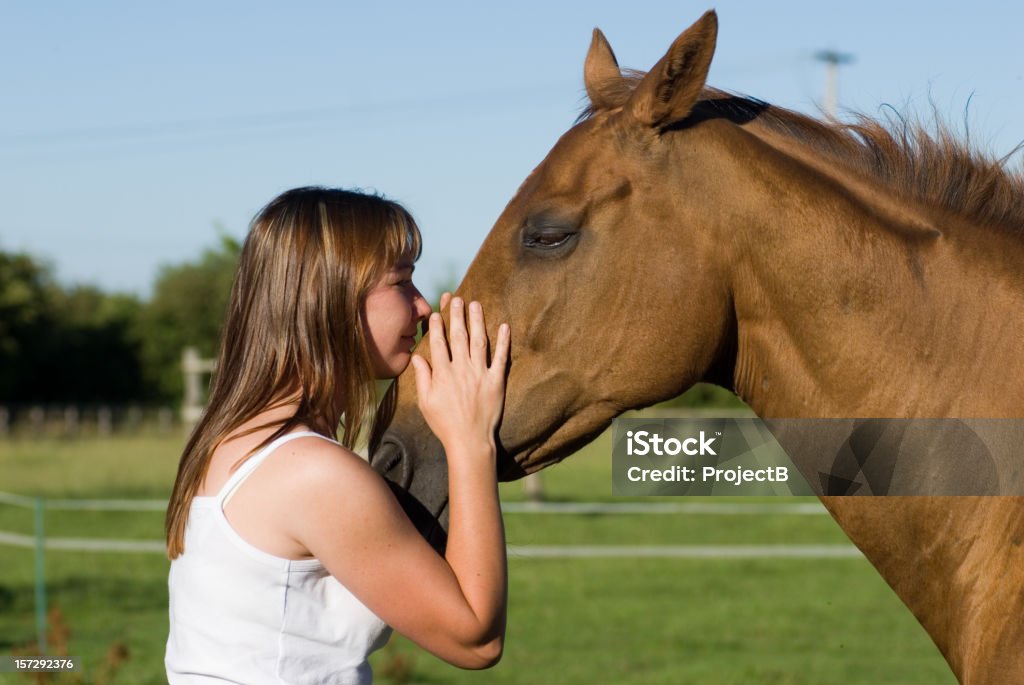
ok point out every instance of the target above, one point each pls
(625, 620)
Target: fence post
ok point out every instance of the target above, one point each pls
(37, 417)
(133, 419)
(104, 420)
(533, 487)
(193, 366)
(40, 577)
(70, 420)
(164, 418)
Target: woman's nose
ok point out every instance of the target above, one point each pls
(422, 307)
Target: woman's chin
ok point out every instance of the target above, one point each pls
(393, 366)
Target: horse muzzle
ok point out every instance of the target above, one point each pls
(415, 468)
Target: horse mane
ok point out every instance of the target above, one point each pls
(929, 166)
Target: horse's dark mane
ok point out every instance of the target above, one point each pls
(929, 166)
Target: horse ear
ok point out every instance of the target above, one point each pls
(601, 73)
(670, 90)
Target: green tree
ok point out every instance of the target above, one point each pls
(94, 354)
(64, 345)
(27, 293)
(187, 309)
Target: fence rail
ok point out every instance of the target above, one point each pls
(40, 543)
(84, 544)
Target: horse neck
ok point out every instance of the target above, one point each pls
(849, 307)
(851, 303)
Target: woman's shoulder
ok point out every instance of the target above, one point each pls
(298, 488)
(341, 497)
(313, 457)
(308, 485)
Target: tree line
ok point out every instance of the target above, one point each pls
(78, 344)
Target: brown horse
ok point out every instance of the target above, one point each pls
(679, 234)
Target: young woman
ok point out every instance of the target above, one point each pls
(290, 556)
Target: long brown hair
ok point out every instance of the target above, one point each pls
(294, 327)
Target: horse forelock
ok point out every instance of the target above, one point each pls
(614, 91)
(927, 164)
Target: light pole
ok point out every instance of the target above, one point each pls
(832, 60)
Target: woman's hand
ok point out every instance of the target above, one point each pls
(460, 396)
(453, 606)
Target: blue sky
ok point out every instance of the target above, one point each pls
(130, 131)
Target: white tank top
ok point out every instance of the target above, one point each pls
(241, 615)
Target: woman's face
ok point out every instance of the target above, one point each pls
(392, 311)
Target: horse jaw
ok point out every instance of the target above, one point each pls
(413, 461)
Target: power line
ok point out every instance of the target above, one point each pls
(236, 123)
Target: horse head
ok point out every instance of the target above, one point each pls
(607, 314)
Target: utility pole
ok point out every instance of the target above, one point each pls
(832, 60)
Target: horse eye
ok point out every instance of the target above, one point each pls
(549, 240)
(546, 240)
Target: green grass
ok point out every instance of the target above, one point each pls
(588, 621)
(104, 598)
(723, 622)
(142, 466)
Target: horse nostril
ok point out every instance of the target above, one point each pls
(390, 460)
(391, 463)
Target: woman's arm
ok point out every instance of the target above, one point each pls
(461, 399)
(453, 606)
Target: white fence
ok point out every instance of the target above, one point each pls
(39, 542)
(73, 420)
